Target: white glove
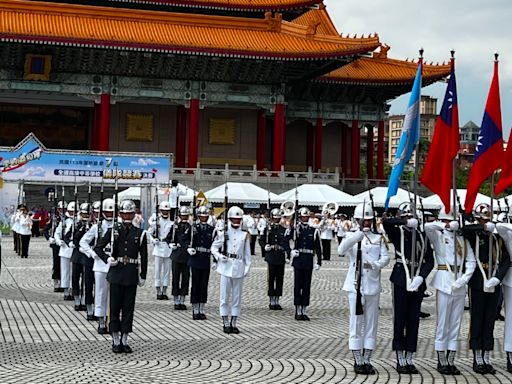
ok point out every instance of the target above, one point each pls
(416, 282)
(213, 267)
(60, 243)
(295, 253)
(52, 240)
(111, 261)
(366, 229)
(412, 223)
(72, 245)
(287, 261)
(359, 235)
(316, 267)
(141, 281)
(459, 283)
(223, 258)
(492, 282)
(374, 265)
(154, 241)
(173, 246)
(454, 225)
(489, 226)
(191, 251)
(268, 247)
(246, 272)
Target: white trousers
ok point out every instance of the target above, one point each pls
(100, 294)
(162, 271)
(65, 272)
(449, 317)
(363, 328)
(230, 295)
(507, 297)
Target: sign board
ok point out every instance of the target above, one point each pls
(201, 199)
(30, 161)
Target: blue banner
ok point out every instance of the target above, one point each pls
(30, 161)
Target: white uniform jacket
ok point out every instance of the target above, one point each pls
(505, 231)
(161, 247)
(442, 241)
(91, 237)
(326, 229)
(373, 249)
(15, 221)
(64, 250)
(24, 224)
(238, 253)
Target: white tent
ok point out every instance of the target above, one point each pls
(239, 193)
(319, 194)
(134, 193)
(379, 197)
(434, 201)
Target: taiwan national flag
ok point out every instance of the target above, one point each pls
(489, 149)
(438, 171)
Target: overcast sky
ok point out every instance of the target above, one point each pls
(474, 28)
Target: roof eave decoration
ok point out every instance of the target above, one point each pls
(269, 38)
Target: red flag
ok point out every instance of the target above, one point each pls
(489, 149)
(505, 180)
(438, 170)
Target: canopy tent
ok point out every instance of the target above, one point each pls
(318, 195)
(379, 197)
(239, 193)
(134, 193)
(434, 201)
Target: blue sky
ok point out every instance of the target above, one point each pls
(474, 28)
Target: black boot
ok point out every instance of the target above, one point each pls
(478, 362)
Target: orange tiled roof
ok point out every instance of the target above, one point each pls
(380, 69)
(318, 19)
(103, 27)
(256, 5)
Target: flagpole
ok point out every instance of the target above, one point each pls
(454, 191)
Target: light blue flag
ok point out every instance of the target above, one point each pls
(408, 139)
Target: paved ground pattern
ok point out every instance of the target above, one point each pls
(43, 340)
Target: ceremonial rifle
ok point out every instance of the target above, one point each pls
(359, 272)
(374, 220)
(63, 215)
(225, 245)
(89, 219)
(157, 220)
(508, 209)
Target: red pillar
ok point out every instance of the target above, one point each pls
(193, 133)
(278, 138)
(95, 126)
(104, 123)
(344, 149)
(369, 151)
(319, 138)
(180, 136)
(310, 146)
(380, 151)
(260, 139)
(356, 150)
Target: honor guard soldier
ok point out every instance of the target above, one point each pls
(161, 249)
(408, 278)
(231, 250)
(14, 228)
(307, 244)
(127, 270)
(276, 242)
(55, 219)
(455, 266)
(493, 263)
(180, 242)
(65, 252)
(368, 252)
(174, 195)
(505, 231)
(199, 263)
(82, 265)
(24, 231)
(100, 267)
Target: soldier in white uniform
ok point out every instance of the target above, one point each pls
(232, 253)
(505, 231)
(65, 251)
(100, 268)
(161, 249)
(326, 228)
(174, 195)
(449, 280)
(364, 274)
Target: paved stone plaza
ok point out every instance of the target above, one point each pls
(43, 340)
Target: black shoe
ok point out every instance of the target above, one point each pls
(159, 297)
(412, 369)
(69, 298)
(83, 307)
(271, 307)
(127, 349)
(56, 290)
(454, 370)
(235, 330)
(402, 368)
(77, 307)
(424, 315)
(117, 348)
(444, 369)
(298, 317)
(370, 370)
(164, 297)
(195, 316)
(278, 307)
(60, 289)
(102, 330)
(202, 316)
(226, 329)
(183, 307)
(360, 369)
(490, 369)
(479, 368)
(91, 317)
(177, 307)
(509, 366)
(305, 317)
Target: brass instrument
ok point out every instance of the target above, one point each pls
(288, 208)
